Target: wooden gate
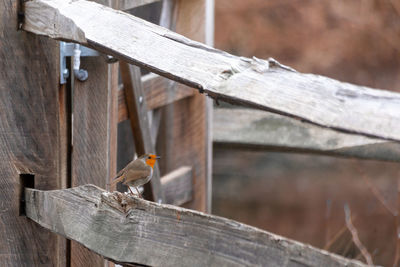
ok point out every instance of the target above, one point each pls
(56, 137)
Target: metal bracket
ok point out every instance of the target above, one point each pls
(76, 50)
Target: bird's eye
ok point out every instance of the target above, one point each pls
(149, 157)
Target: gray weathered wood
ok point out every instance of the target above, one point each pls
(254, 129)
(32, 138)
(178, 186)
(94, 136)
(137, 110)
(263, 84)
(131, 230)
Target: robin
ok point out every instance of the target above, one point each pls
(138, 172)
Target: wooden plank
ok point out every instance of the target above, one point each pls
(94, 136)
(209, 40)
(178, 186)
(190, 22)
(30, 139)
(183, 132)
(158, 91)
(137, 109)
(254, 129)
(135, 231)
(264, 84)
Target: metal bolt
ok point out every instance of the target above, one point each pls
(140, 99)
(65, 73)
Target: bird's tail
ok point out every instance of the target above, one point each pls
(116, 179)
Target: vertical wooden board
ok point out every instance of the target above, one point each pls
(183, 136)
(29, 139)
(112, 128)
(94, 136)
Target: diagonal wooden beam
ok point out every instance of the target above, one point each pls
(263, 84)
(132, 231)
(137, 110)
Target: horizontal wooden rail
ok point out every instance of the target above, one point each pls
(254, 129)
(159, 91)
(129, 230)
(263, 84)
(178, 186)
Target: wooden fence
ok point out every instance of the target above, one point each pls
(133, 231)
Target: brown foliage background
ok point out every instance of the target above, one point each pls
(302, 196)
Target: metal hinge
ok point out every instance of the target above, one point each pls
(77, 51)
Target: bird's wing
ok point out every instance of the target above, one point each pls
(135, 170)
(133, 175)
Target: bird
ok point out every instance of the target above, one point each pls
(138, 172)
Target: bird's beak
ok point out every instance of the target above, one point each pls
(158, 157)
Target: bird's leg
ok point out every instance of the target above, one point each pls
(130, 189)
(140, 195)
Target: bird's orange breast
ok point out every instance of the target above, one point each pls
(151, 162)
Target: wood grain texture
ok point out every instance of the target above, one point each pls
(264, 84)
(178, 186)
(135, 231)
(30, 141)
(158, 91)
(254, 129)
(89, 153)
(94, 136)
(183, 132)
(137, 110)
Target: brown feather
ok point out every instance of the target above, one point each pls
(135, 173)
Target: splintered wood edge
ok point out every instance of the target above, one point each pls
(262, 84)
(258, 130)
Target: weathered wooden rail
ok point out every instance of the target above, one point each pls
(132, 231)
(255, 129)
(264, 84)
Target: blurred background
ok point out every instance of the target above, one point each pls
(302, 196)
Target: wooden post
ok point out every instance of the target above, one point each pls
(94, 136)
(187, 147)
(30, 140)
